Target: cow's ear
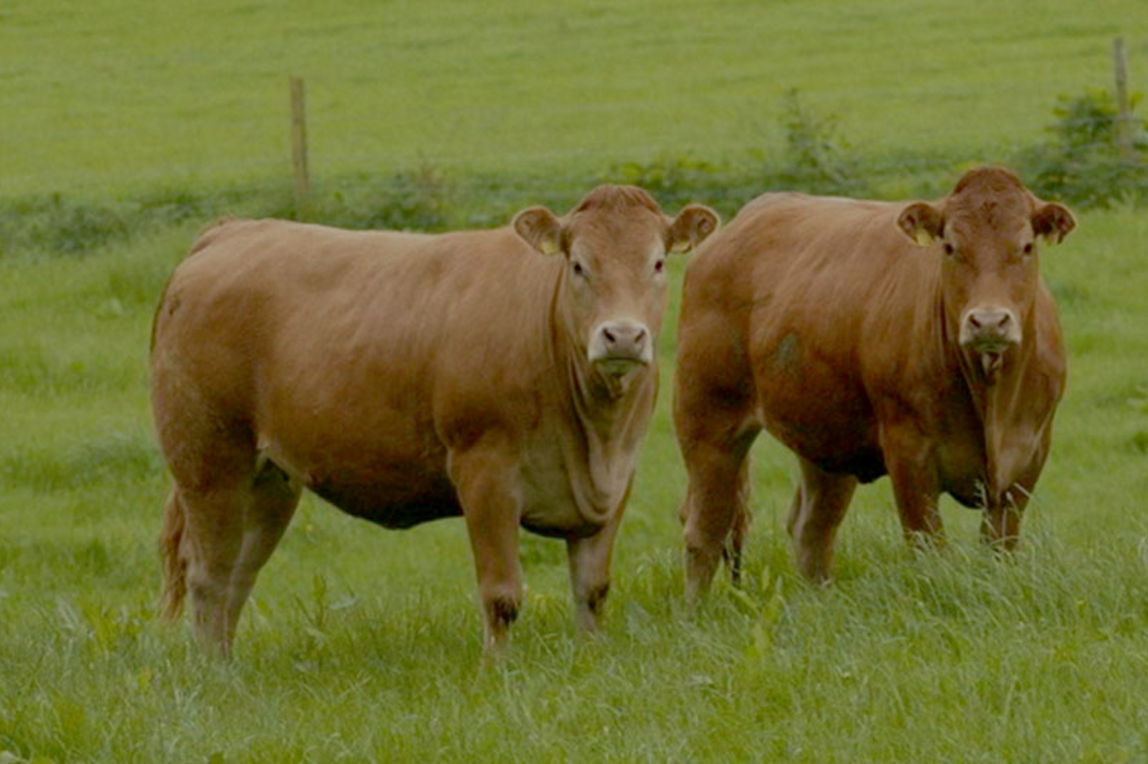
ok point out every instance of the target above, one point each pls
(540, 228)
(921, 222)
(691, 227)
(1052, 221)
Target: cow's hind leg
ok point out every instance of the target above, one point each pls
(231, 517)
(270, 507)
(818, 507)
(213, 540)
(715, 512)
(230, 533)
(735, 543)
(714, 405)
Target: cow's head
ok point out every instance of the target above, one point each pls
(986, 233)
(613, 289)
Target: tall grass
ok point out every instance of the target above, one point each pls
(365, 644)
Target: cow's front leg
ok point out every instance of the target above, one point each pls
(589, 559)
(911, 462)
(484, 477)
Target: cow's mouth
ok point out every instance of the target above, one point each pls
(619, 366)
(989, 348)
(993, 344)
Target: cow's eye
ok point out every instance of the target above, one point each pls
(949, 249)
(1028, 248)
(660, 265)
(578, 269)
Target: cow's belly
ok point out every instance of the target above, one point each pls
(830, 425)
(397, 490)
(392, 505)
(368, 473)
(836, 444)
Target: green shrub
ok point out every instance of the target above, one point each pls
(59, 225)
(417, 199)
(816, 158)
(677, 180)
(1084, 162)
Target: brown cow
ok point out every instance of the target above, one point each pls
(823, 321)
(407, 377)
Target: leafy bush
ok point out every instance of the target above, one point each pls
(59, 225)
(678, 180)
(1084, 162)
(55, 225)
(418, 199)
(816, 158)
(415, 199)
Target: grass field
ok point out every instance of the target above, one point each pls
(116, 95)
(361, 644)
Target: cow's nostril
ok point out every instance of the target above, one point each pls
(996, 320)
(623, 340)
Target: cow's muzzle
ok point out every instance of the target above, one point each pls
(621, 344)
(990, 330)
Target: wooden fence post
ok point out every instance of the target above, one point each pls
(299, 144)
(1124, 110)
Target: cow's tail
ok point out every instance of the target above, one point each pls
(171, 557)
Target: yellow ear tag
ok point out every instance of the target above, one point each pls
(549, 246)
(923, 237)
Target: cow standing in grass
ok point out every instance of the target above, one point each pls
(506, 376)
(914, 339)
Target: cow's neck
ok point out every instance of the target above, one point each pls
(609, 417)
(997, 389)
(605, 403)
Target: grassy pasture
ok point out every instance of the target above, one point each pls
(364, 645)
(113, 95)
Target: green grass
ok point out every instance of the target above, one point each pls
(116, 95)
(361, 644)
(367, 644)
